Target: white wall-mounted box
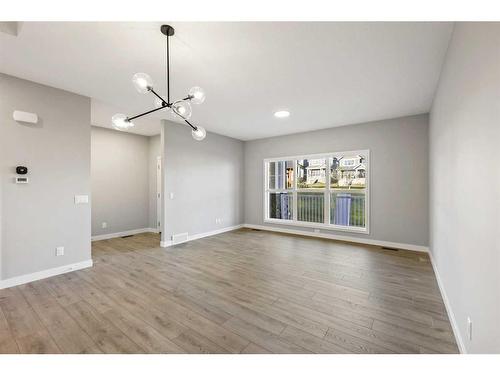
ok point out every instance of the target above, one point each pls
(28, 117)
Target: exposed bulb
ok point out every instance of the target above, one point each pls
(142, 82)
(197, 95)
(120, 122)
(182, 109)
(199, 134)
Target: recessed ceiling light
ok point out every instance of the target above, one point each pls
(281, 114)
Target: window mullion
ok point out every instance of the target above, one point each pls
(294, 193)
(326, 218)
(266, 190)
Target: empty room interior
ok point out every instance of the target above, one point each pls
(249, 187)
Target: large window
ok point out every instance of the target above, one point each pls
(323, 191)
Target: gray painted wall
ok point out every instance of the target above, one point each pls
(39, 216)
(120, 181)
(399, 173)
(465, 182)
(154, 153)
(206, 179)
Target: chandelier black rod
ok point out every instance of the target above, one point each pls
(168, 104)
(192, 126)
(168, 70)
(164, 104)
(145, 113)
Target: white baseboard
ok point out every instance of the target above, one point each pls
(169, 243)
(23, 279)
(366, 241)
(451, 315)
(125, 233)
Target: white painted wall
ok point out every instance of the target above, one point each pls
(120, 181)
(465, 184)
(398, 174)
(206, 179)
(37, 217)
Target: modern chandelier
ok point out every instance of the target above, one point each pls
(180, 108)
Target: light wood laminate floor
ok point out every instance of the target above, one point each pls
(244, 291)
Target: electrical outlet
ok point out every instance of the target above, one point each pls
(171, 195)
(59, 251)
(104, 225)
(316, 230)
(469, 328)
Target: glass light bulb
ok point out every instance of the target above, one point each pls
(120, 122)
(158, 103)
(182, 109)
(199, 134)
(142, 82)
(197, 95)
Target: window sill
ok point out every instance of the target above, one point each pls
(305, 224)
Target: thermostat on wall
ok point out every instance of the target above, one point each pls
(21, 180)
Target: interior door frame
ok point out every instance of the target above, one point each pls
(158, 193)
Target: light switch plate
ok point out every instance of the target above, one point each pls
(81, 199)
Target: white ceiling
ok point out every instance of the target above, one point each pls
(325, 74)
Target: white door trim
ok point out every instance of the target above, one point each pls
(158, 193)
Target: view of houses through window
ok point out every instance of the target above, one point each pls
(329, 189)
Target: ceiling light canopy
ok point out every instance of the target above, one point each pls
(181, 108)
(281, 114)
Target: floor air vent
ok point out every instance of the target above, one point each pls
(389, 248)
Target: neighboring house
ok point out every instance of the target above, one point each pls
(347, 172)
(351, 172)
(316, 172)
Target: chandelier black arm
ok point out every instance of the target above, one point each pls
(145, 113)
(158, 109)
(192, 126)
(168, 104)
